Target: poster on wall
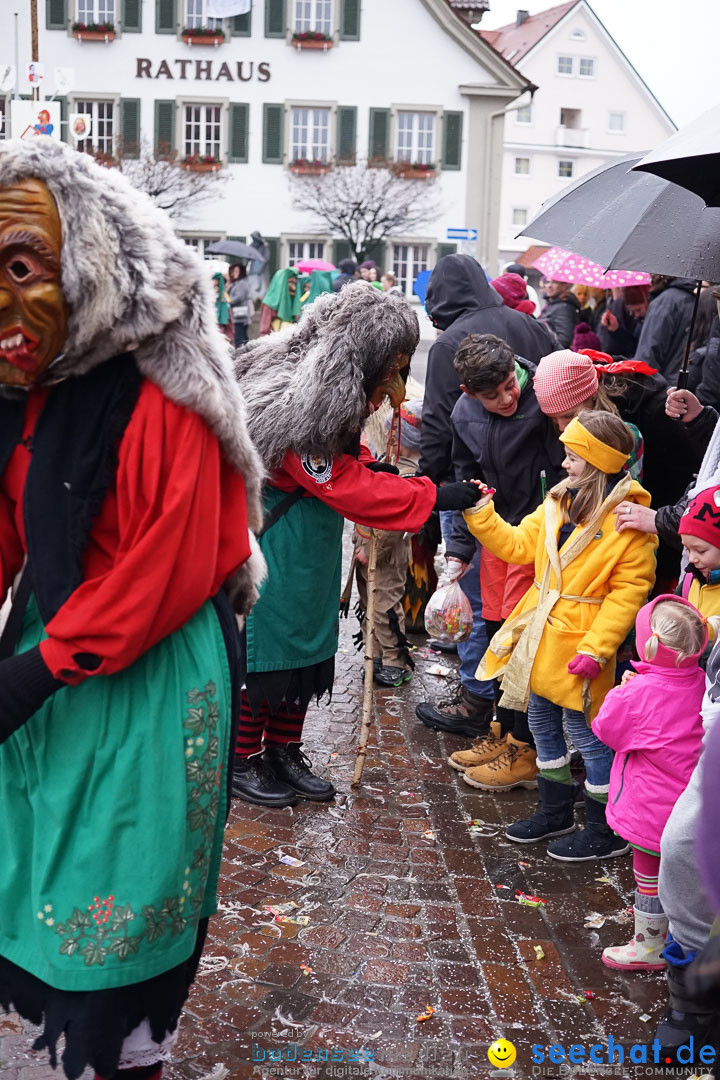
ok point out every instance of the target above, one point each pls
(31, 118)
(225, 9)
(79, 126)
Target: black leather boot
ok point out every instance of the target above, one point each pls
(255, 782)
(461, 714)
(292, 766)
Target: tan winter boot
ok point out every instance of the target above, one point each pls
(482, 750)
(515, 767)
(644, 952)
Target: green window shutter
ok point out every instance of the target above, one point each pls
(275, 18)
(63, 103)
(452, 140)
(241, 25)
(350, 20)
(273, 134)
(347, 134)
(164, 127)
(56, 14)
(238, 135)
(378, 149)
(444, 249)
(165, 17)
(341, 250)
(273, 244)
(376, 252)
(132, 16)
(130, 127)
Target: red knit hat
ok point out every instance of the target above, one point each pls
(702, 517)
(563, 380)
(513, 290)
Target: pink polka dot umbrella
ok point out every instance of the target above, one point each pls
(559, 265)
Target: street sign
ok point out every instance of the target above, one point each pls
(462, 234)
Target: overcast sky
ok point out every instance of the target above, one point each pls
(673, 46)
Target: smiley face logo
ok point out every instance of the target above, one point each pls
(502, 1053)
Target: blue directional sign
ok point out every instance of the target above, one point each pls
(462, 234)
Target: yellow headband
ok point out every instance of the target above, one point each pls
(596, 453)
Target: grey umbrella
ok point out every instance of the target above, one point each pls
(633, 221)
(691, 157)
(235, 249)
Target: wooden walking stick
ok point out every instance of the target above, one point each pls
(367, 709)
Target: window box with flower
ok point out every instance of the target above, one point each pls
(201, 163)
(94, 31)
(415, 170)
(306, 167)
(312, 39)
(203, 35)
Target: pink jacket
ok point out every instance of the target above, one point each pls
(653, 724)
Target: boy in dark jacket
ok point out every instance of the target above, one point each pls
(501, 436)
(562, 311)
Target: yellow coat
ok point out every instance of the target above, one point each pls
(585, 602)
(706, 598)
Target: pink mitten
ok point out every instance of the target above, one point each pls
(585, 667)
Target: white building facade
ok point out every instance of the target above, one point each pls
(404, 80)
(590, 106)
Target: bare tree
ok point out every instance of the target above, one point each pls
(168, 181)
(366, 203)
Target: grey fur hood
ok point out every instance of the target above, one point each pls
(306, 388)
(132, 286)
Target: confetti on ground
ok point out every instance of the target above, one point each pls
(604, 880)
(594, 920)
(589, 995)
(539, 952)
(208, 964)
(426, 1014)
(299, 920)
(529, 901)
(523, 864)
(289, 860)
(280, 909)
(645, 1018)
(429, 834)
(306, 970)
(439, 670)
(502, 886)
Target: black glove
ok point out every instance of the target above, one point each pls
(381, 466)
(25, 683)
(460, 496)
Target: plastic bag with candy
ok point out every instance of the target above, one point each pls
(448, 615)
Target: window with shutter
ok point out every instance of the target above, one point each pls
(165, 17)
(56, 16)
(341, 250)
(238, 137)
(132, 16)
(452, 140)
(63, 103)
(444, 249)
(273, 134)
(273, 244)
(130, 127)
(275, 18)
(241, 25)
(164, 127)
(346, 134)
(350, 20)
(379, 135)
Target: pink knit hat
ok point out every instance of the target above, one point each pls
(564, 380)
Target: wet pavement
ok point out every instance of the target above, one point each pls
(406, 907)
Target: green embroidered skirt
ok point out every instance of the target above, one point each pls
(112, 812)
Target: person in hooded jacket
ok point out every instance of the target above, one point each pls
(667, 324)
(461, 301)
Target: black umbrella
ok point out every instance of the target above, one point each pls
(635, 221)
(236, 249)
(691, 157)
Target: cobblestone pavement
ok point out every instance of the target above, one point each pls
(406, 908)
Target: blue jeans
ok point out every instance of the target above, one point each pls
(474, 648)
(546, 724)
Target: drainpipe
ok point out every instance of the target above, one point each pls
(488, 157)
